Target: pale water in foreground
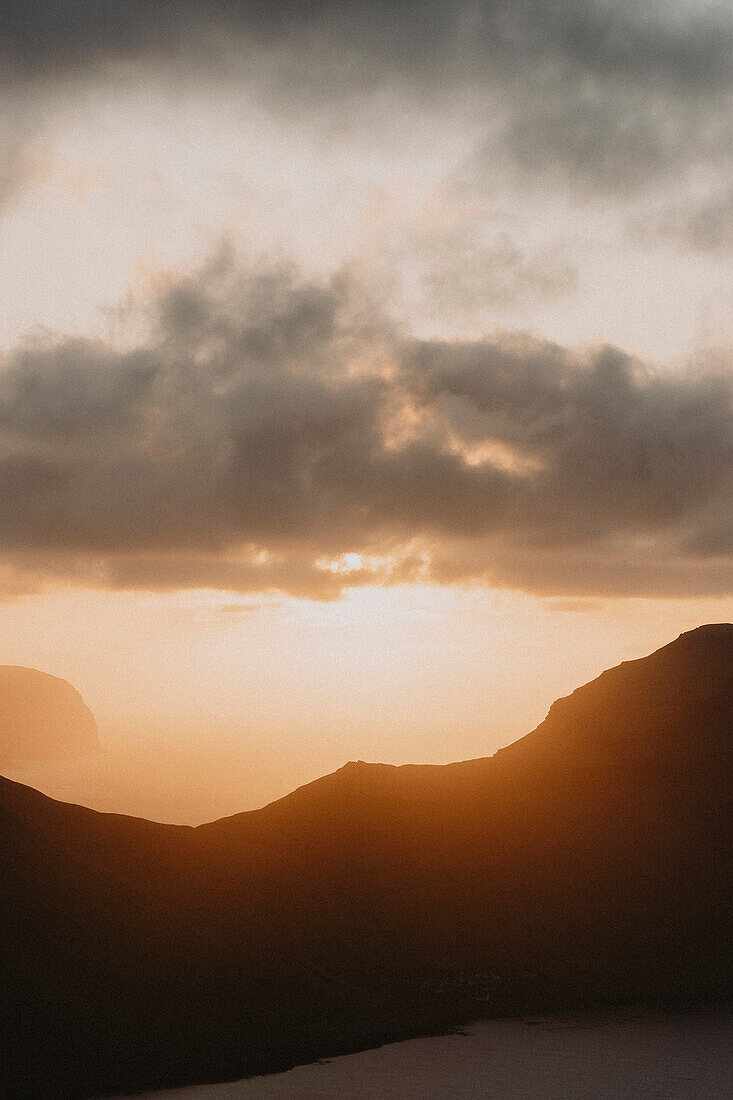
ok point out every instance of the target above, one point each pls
(617, 1056)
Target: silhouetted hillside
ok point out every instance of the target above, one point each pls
(590, 861)
(42, 717)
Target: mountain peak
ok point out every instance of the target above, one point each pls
(718, 633)
(644, 708)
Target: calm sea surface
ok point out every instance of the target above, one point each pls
(620, 1056)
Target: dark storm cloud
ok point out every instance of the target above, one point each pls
(270, 430)
(603, 94)
(674, 47)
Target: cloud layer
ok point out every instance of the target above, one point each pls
(274, 430)
(274, 433)
(599, 94)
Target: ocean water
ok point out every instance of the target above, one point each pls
(617, 1056)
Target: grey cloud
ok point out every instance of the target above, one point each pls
(40, 384)
(687, 48)
(604, 94)
(23, 149)
(614, 449)
(14, 167)
(714, 541)
(594, 137)
(276, 434)
(703, 225)
(658, 571)
(462, 275)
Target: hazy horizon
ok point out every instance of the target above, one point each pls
(192, 770)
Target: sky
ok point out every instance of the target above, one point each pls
(366, 372)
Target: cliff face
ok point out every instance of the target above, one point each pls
(42, 717)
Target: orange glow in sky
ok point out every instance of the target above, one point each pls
(208, 704)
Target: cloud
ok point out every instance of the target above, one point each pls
(23, 148)
(14, 168)
(596, 94)
(703, 225)
(277, 434)
(462, 274)
(597, 135)
(684, 45)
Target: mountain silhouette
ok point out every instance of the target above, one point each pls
(42, 717)
(589, 862)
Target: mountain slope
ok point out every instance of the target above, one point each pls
(588, 861)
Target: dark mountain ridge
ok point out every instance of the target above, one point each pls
(590, 861)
